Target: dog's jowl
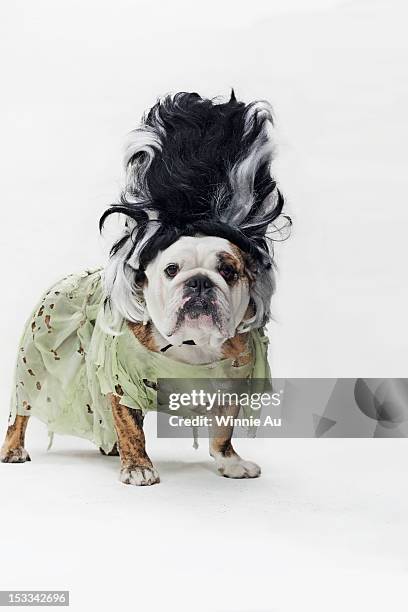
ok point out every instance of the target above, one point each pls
(185, 294)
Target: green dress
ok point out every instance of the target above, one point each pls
(67, 364)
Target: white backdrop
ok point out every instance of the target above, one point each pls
(76, 78)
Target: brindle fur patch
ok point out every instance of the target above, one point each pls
(238, 349)
(238, 257)
(131, 439)
(235, 262)
(144, 333)
(247, 267)
(13, 450)
(241, 262)
(220, 440)
(223, 447)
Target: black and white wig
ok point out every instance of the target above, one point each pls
(196, 167)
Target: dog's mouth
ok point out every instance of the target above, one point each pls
(198, 309)
(202, 318)
(199, 314)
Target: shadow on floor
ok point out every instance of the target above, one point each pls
(93, 457)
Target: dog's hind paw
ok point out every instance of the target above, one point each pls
(14, 455)
(139, 475)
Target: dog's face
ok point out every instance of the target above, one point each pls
(198, 289)
(204, 168)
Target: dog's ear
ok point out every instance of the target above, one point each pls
(261, 281)
(246, 264)
(250, 268)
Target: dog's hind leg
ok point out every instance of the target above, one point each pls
(13, 450)
(136, 468)
(229, 463)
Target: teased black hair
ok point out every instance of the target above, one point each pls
(198, 166)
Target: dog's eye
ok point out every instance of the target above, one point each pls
(171, 270)
(227, 272)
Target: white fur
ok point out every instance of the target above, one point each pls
(186, 353)
(236, 467)
(164, 296)
(139, 476)
(126, 301)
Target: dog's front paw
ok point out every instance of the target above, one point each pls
(235, 467)
(14, 455)
(139, 475)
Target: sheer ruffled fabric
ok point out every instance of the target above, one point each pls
(67, 364)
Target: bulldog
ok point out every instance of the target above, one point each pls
(186, 289)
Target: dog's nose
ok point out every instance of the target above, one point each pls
(199, 284)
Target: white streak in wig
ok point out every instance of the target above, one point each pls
(242, 181)
(241, 178)
(125, 300)
(242, 174)
(142, 140)
(262, 110)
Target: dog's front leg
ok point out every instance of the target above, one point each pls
(136, 467)
(13, 450)
(229, 463)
